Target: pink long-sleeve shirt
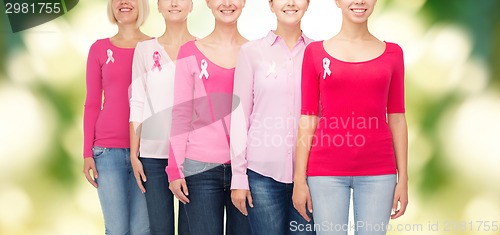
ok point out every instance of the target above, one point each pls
(264, 124)
(352, 100)
(109, 73)
(201, 113)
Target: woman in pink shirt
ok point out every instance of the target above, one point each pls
(199, 167)
(151, 103)
(352, 132)
(106, 129)
(263, 126)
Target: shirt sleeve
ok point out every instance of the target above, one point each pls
(138, 86)
(396, 101)
(240, 119)
(310, 84)
(93, 99)
(182, 113)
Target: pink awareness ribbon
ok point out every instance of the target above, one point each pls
(203, 66)
(156, 58)
(109, 52)
(326, 67)
(272, 70)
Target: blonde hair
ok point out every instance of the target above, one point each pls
(142, 6)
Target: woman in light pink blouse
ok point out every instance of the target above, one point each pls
(264, 124)
(106, 130)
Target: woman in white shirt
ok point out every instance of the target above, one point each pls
(150, 115)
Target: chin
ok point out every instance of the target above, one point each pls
(358, 20)
(226, 20)
(175, 18)
(290, 22)
(127, 21)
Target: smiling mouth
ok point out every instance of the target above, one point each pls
(174, 11)
(227, 11)
(125, 9)
(290, 11)
(358, 10)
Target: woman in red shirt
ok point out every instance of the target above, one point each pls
(353, 132)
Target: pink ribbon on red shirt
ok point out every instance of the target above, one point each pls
(326, 67)
(156, 58)
(109, 52)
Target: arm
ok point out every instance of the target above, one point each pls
(397, 124)
(240, 122)
(135, 133)
(399, 130)
(307, 126)
(138, 95)
(301, 196)
(93, 102)
(182, 114)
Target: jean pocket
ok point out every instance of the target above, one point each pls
(192, 167)
(97, 151)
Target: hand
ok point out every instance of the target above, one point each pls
(89, 164)
(401, 196)
(138, 173)
(180, 190)
(239, 198)
(301, 199)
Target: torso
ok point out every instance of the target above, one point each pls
(356, 91)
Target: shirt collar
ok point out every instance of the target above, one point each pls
(272, 38)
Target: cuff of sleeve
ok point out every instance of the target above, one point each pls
(401, 110)
(240, 182)
(174, 173)
(135, 119)
(308, 112)
(87, 153)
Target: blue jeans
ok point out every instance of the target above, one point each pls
(273, 211)
(160, 200)
(372, 202)
(122, 202)
(209, 194)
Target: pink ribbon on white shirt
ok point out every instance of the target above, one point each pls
(204, 72)
(110, 56)
(156, 58)
(326, 67)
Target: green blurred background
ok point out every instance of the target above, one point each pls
(452, 94)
